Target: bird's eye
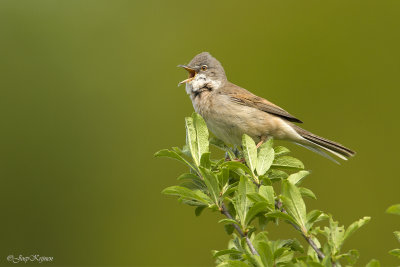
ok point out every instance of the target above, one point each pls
(204, 67)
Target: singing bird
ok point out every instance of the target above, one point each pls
(231, 111)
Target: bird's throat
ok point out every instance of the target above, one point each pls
(201, 83)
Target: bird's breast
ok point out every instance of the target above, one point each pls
(220, 115)
(202, 102)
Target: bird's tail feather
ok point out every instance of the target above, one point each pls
(321, 152)
(317, 143)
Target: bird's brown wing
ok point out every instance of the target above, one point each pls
(243, 97)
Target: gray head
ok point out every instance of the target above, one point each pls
(204, 72)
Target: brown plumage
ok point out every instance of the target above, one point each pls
(244, 97)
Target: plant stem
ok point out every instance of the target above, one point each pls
(314, 246)
(225, 211)
(309, 240)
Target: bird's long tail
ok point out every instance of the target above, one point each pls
(319, 144)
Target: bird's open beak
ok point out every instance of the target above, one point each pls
(192, 74)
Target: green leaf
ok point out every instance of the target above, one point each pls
(397, 235)
(282, 216)
(262, 222)
(191, 140)
(229, 221)
(205, 160)
(185, 150)
(229, 228)
(230, 189)
(395, 252)
(256, 197)
(199, 210)
(242, 202)
(297, 177)
(265, 194)
(395, 209)
(277, 175)
(268, 193)
(188, 176)
(280, 151)
(265, 157)
(294, 204)
(373, 263)
(260, 237)
(226, 252)
(305, 192)
(355, 226)
(266, 255)
(196, 137)
(312, 217)
(218, 143)
(201, 134)
(233, 264)
(287, 162)
(172, 154)
(334, 235)
(311, 264)
(195, 184)
(259, 207)
(223, 177)
(264, 179)
(211, 181)
(351, 256)
(285, 256)
(249, 151)
(187, 194)
(294, 245)
(232, 165)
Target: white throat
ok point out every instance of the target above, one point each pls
(200, 81)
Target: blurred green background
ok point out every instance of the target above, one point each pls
(88, 94)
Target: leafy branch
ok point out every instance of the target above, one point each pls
(309, 240)
(225, 211)
(244, 188)
(395, 209)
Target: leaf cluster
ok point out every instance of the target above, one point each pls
(395, 209)
(254, 187)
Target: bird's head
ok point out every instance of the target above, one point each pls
(204, 72)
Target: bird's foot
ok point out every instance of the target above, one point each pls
(262, 140)
(237, 160)
(241, 160)
(227, 158)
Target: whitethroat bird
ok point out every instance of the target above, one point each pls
(231, 111)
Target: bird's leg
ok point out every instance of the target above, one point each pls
(227, 158)
(238, 156)
(262, 140)
(236, 151)
(228, 155)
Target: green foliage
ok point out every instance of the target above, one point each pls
(395, 209)
(336, 235)
(196, 137)
(265, 157)
(373, 263)
(252, 188)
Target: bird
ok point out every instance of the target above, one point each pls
(231, 111)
